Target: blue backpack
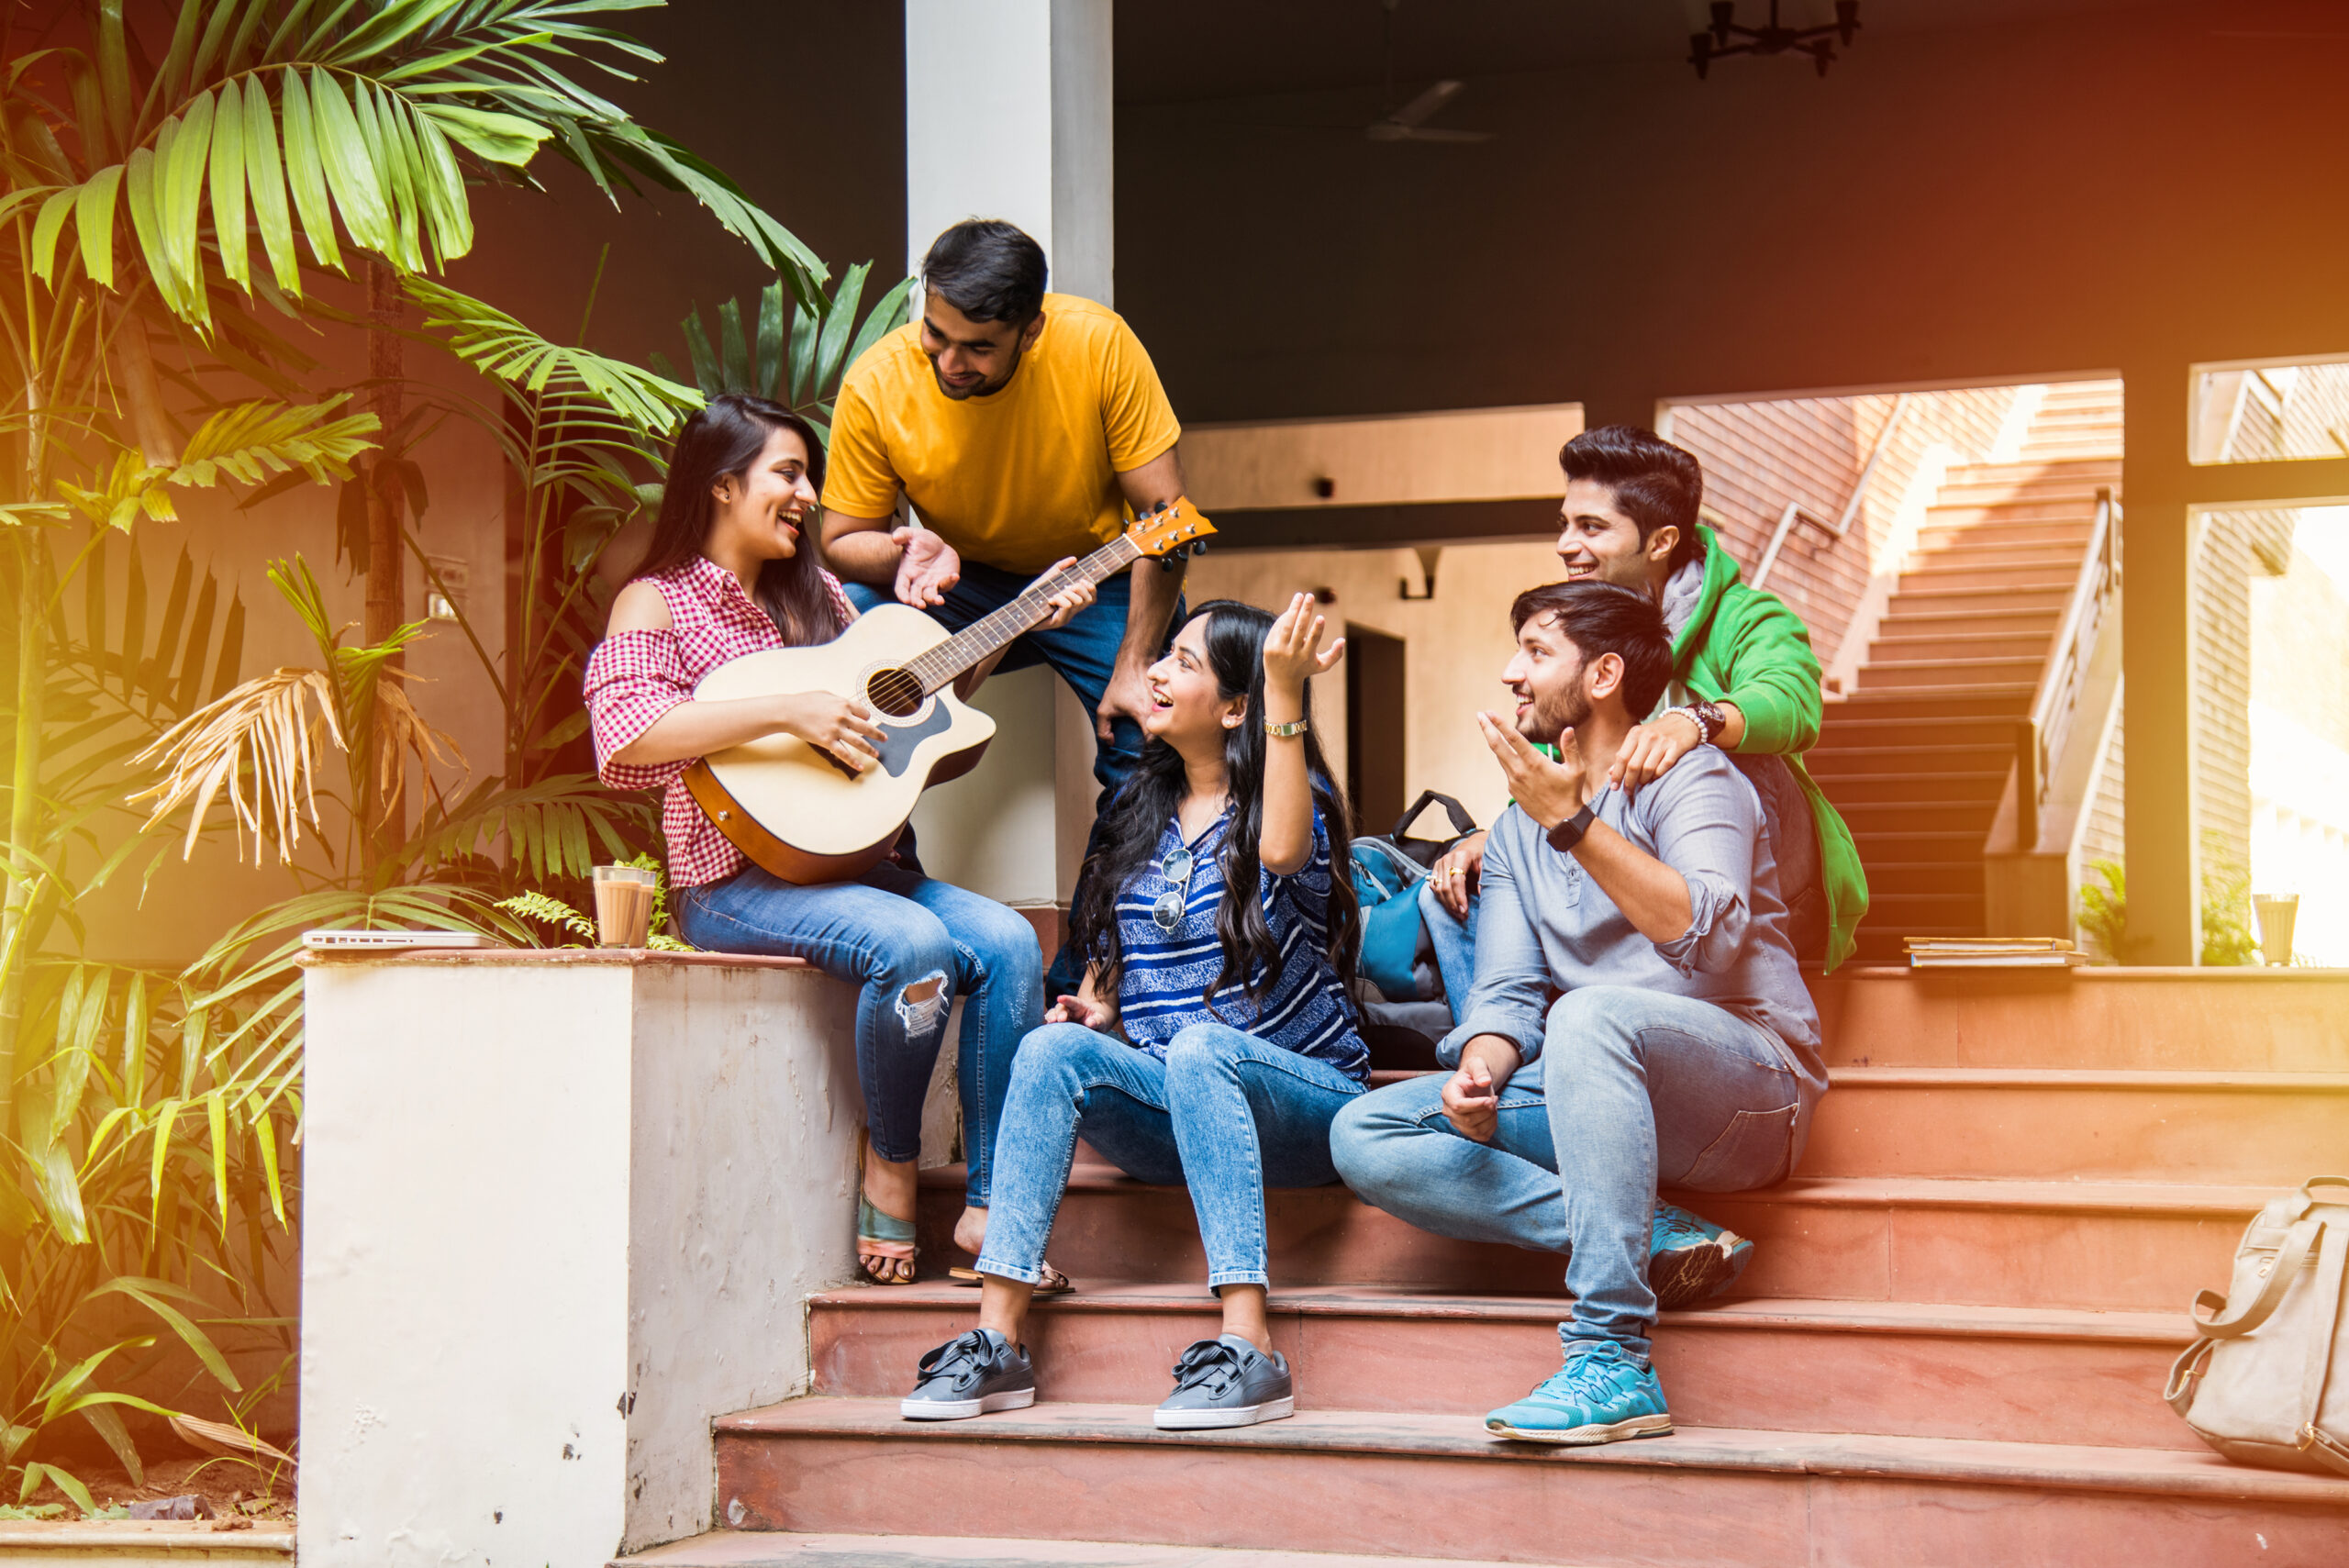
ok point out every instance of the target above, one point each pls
(1388, 869)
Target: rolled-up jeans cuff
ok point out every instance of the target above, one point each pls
(1239, 1276)
(988, 1265)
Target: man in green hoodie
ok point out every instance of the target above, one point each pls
(1744, 679)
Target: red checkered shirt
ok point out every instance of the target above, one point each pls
(634, 677)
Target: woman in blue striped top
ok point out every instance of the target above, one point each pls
(1214, 1037)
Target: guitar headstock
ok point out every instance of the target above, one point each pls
(1171, 526)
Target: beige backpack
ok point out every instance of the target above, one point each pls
(2255, 1382)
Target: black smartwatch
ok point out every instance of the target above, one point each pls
(1568, 834)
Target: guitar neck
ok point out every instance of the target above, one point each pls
(941, 664)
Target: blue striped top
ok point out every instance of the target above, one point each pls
(1161, 990)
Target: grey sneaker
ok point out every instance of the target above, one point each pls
(1227, 1382)
(970, 1376)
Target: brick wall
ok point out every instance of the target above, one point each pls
(1759, 456)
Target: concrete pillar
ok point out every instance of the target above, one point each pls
(2157, 663)
(1008, 113)
(561, 1209)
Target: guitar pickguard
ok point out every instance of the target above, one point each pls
(898, 742)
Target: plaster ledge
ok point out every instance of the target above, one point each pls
(137, 1543)
(557, 958)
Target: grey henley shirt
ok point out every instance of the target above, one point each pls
(1544, 924)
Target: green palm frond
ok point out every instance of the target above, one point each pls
(563, 826)
(800, 349)
(249, 443)
(488, 338)
(286, 118)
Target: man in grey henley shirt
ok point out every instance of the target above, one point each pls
(1681, 1047)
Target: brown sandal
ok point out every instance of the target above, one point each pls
(1054, 1282)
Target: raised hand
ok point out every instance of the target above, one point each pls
(1293, 651)
(1547, 791)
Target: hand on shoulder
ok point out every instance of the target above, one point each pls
(638, 607)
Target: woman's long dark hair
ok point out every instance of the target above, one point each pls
(1129, 828)
(724, 439)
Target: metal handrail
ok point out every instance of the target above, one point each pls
(1797, 512)
(2043, 734)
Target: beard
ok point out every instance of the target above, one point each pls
(985, 388)
(1556, 713)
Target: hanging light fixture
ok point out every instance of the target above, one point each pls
(1771, 38)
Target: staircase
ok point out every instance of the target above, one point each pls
(1915, 757)
(1949, 1350)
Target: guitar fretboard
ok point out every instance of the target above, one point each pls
(941, 664)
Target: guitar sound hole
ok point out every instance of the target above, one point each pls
(897, 693)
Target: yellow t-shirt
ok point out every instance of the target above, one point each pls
(1019, 479)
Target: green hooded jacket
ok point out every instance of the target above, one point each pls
(1742, 645)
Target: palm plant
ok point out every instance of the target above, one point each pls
(157, 193)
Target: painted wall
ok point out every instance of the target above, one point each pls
(1456, 644)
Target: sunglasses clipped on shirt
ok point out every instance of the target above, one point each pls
(1167, 913)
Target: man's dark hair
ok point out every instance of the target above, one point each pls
(1600, 618)
(1655, 482)
(988, 270)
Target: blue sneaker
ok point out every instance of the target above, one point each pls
(1598, 1395)
(1691, 1260)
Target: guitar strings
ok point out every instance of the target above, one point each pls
(941, 664)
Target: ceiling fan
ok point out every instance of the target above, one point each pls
(1409, 122)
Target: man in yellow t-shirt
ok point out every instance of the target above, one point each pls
(1021, 427)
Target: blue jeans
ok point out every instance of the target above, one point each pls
(911, 946)
(1226, 1112)
(1454, 941)
(1632, 1089)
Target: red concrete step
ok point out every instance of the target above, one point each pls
(1871, 817)
(1813, 1366)
(1978, 526)
(2211, 1020)
(1908, 846)
(1853, 763)
(1845, 727)
(1947, 672)
(2006, 550)
(2095, 1125)
(1989, 574)
(2030, 481)
(2008, 702)
(2095, 1246)
(794, 1549)
(1880, 788)
(2042, 623)
(1924, 876)
(1933, 600)
(1908, 645)
(1916, 909)
(1354, 1482)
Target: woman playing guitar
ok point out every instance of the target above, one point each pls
(731, 571)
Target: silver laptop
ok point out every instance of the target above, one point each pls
(377, 941)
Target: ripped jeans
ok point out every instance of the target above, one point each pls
(911, 945)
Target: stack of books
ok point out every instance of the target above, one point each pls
(1992, 952)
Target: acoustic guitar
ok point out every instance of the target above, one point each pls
(800, 813)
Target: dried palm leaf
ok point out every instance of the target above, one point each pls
(259, 744)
